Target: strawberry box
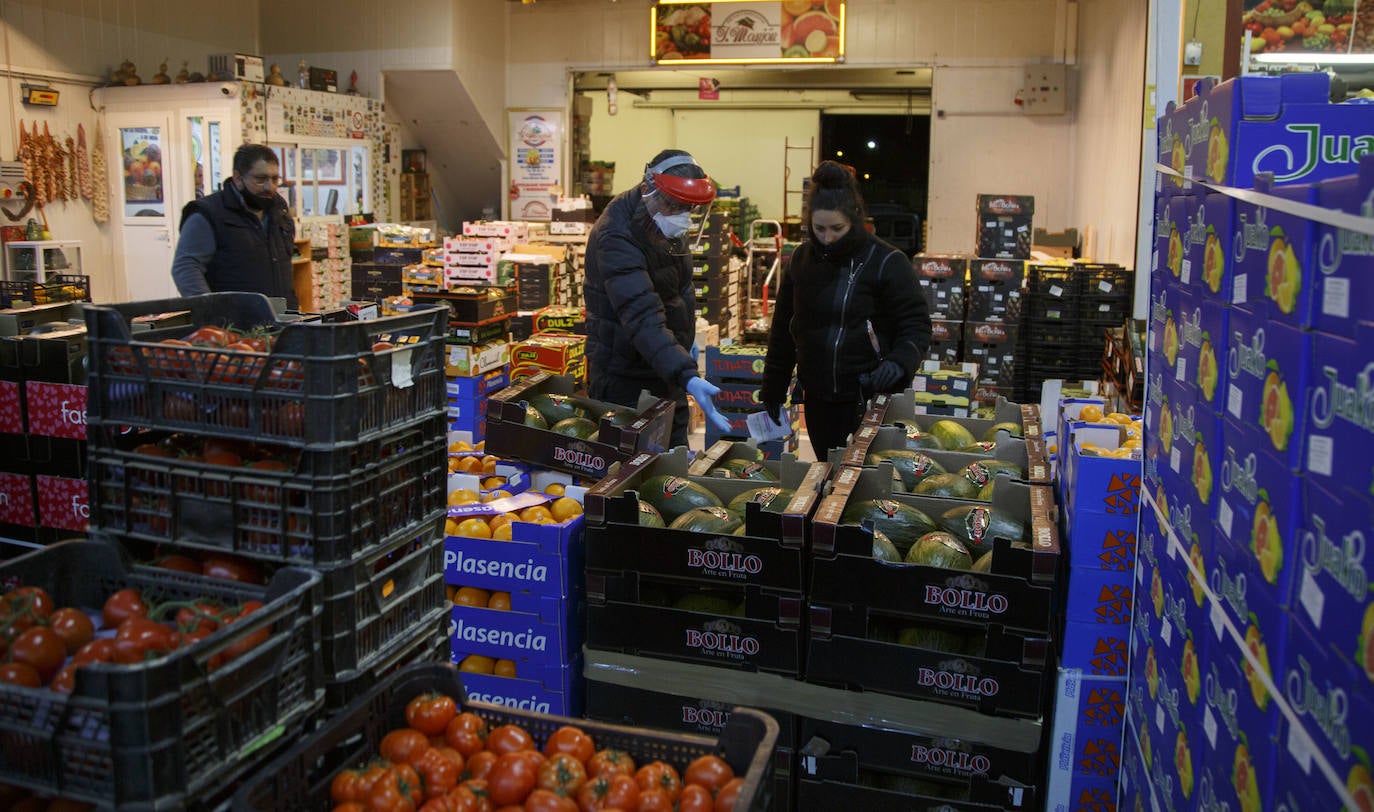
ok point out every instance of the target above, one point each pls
(1342, 284)
(1267, 367)
(1259, 510)
(1340, 439)
(1274, 256)
(1332, 590)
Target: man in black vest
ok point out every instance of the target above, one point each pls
(240, 238)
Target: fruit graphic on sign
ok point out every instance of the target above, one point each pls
(1360, 785)
(1145, 753)
(810, 28)
(1265, 541)
(1276, 414)
(1218, 151)
(1166, 426)
(1192, 678)
(1207, 369)
(1213, 261)
(1157, 593)
(1177, 158)
(1202, 472)
(1170, 339)
(1175, 252)
(1285, 272)
(1243, 779)
(1255, 643)
(1365, 654)
(1194, 581)
(1183, 761)
(1151, 671)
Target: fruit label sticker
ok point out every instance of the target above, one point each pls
(1310, 596)
(1235, 400)
(1185, 271)
(1336, 297)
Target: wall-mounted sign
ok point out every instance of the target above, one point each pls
(535, 157)
(40, 96)
(748, 32)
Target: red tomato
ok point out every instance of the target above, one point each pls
(345, 786)
(611, 761)
(391, 793)
(466, 733)
(709, 771)
(99, 650)
(201, 616)
(179, 563)
(211, 336)
(121, 606)
(20, 674)
(139, 639)
(481, 793)
(438, 773)
(654, 800)
(612, 791)
(253, 639)
(561, 773)
(180, 407)
(73, 626)
(695, 798)
(430, 713)
(571, 740)
(543, 800)
(725, 799)
(511, 778)
(479, 764)
(28, 600)
(660, 775)
(229, 568)
(508, 739)
(65, 681)
(403, 746)
(289, 420)
(42, 648)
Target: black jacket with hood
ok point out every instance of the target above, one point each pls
(826, 300)
(640, 298)
(251, 254)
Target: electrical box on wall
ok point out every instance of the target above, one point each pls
(1043, 90)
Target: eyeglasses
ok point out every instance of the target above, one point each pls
(263, 180)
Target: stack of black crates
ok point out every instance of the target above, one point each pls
(1068, 315)
(326, 451)
(717, 286)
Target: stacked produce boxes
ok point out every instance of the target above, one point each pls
(944, 280)
(716, 278)
(330, 263)
(322, 445)
(1070, 310)
(738, 370)
(993, 324)
(1004, 226)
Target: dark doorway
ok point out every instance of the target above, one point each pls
(891, 157)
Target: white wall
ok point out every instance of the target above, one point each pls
(630, 138)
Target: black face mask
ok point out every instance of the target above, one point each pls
(841, 249)
(253, 201)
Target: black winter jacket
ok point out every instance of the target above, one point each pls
(819, 321)
(248, 257)
(640, 299)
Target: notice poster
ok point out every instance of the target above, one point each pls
(535, 155)
(789, 31)
(141, 153)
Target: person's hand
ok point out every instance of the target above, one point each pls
(885, 376)
(774, 412)
(702, 391)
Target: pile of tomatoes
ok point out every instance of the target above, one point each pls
(451, 761)
(42, 644)
(15, 799)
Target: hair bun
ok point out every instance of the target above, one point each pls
(832, 175)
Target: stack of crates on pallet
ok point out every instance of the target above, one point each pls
(475, 260)
(715, 277)
(738, 370)
(476, 345)
(43, 431)
(514, 563)
(944, 280)
(1070, 311)
(1100, 499)
(331, 266)
(929, 677)
(324, 449)
(993, 324)
(707, 620)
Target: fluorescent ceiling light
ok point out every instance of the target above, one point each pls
(1289, 58)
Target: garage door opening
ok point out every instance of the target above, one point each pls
(891, 157)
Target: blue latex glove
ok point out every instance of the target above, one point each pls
(774, 411)
(702, 391)
(695, 351)
(885, 376)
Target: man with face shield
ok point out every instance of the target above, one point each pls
(641, 305)
(241, 237)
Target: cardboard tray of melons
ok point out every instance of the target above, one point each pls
(604, 440)
(901, 409)
(1015, 586)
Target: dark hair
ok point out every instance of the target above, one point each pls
(834, 188)
(681, 170)
(247, 155)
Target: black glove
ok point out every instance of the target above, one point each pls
(774, 411)
(885, 376)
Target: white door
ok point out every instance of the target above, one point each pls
(142, 208)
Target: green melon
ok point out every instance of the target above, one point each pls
(917, 439)
(710, 602)
(951, 435)
(977, 525)
(534, 418)
(743, 452)
(579, 427)
(1014, 429)
(953, 486)
(557, 407)
(985, 492)
(939, 549)
(933, 639)
(649, 517)
(981, 448)
(673, 496)
(620, 417)
(982, 472)
(884, 549)
(983, 564)
(773, 498)
(910, 466)
(901, 523)
(744, 469)
(708, 520)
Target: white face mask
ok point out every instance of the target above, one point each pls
(673, 225)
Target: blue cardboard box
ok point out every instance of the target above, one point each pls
(1333, 587)
(468, 414)
(551, 634)
(554, 689)
(1087, 737)
(1267, 374)
(1099, 596)
(478, 385)
(1259, 510)
(1240, 758)
(1274, 256)
(1211, 244)
(1339, 454)
(545, 559)
(1343, 279)
(1104, 485)
(1177, 265)
(1177, 742)
(1213, 343)
(1095, 648)
(1261, 623)
(1188, 318)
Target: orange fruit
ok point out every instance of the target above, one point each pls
(473, 528)
(470, 464)
(499, 519)
(504, 668)
(453, 464)
(449, 589)
(565, 508)
(463, 496)
(477, 664)
(481, 446)
(500, 601)
(493, 482)
(537, 513)
(499, 493)
(459, 446)
(471, 596)
(555, 489)
(450, 527)
(489, 464)
(505, 532)
(1091, 412)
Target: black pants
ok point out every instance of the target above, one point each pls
(624, 391)
(830, 424)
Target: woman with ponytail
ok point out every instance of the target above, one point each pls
(850, 317)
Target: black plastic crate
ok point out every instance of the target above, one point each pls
(329, 507)
(1105, 280)
(1105, 309)
(322, 384)
(371, 604)
(300, 779)
(62, 287)
(164, 733)
(425, 642)
(1052, 282)
(1058, 334)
